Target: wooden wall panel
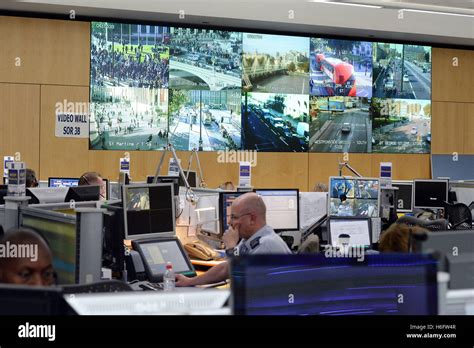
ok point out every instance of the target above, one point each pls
(51, 51)
(281, 170)
(55, 52)
(61, 156)
(20, 123)
(405, 167)
(448, 127)
(469, 129)
(449, 83)
(453, 128)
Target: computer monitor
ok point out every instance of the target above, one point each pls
(47, 194)
(455, 250)
(63, 238)
(62, 182)
(354, 197)
(31, 300)
(191, 176)
(225, 202)
(430, 194)
(322, 285)
(156, 252)
(83, 193)
(3, 193)
(162, 179)
(404, 202)
(282, 208)
(148, 211)
(351, 231)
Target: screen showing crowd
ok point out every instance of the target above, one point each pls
(213, 90)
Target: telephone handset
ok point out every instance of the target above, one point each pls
(198, 250)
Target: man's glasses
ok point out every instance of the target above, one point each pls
(235, 217)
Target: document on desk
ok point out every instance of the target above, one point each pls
(313, 206)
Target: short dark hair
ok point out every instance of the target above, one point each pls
(31, 180)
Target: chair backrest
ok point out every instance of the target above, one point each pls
(430, 225)
(310, 245)
(459, 215)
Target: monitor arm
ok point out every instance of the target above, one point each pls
(346, 164)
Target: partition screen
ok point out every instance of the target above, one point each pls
(214, 89)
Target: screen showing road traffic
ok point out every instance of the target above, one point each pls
(211, 90)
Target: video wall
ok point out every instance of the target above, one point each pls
(215, 90)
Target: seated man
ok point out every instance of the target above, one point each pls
(25, 259)
(31, 180)
(248, 221)
(94, 179)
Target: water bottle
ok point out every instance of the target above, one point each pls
(168, 278)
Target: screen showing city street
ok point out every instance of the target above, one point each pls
(341, 68)
(205, 120)
(401, 126)
(402, 71)
(339, 124)
(205, 59)
(275, 122)
(129, 55)
(275, 64)
(124, 118)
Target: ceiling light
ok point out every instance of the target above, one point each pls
(439, 13)
(344, 3)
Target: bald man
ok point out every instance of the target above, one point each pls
(25, 259)
(248, 223)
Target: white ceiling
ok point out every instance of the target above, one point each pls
(286, 15)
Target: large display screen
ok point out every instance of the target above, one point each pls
(214, 90)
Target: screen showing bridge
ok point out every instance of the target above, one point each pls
(212, 90)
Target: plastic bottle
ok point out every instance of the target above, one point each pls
(168, 278)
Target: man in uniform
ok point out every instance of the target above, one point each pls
(248, 222)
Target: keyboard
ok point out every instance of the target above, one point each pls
(145, 286)
(196, 301)
(101, 286)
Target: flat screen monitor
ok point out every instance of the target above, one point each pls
(430, 194)
(350, 231)
(282, 208)
(353, 197)
(456, 254)
(63, 182)
(31, 300)
(63, 239)
(162, 179)
(322, 285)
(148, 211)
(404, 202)
(225, 202)
(156, 252)
(3, 193)
(191, 176)
(83, 193)
(47, 194)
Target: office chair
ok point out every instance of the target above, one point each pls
(459, 216)
(310, 245)
(431, 225)
(100, 286)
